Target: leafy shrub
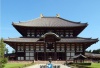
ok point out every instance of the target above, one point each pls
(71, 63)
(4, 60)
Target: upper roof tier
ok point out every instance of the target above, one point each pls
(50, 22)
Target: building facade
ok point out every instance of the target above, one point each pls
(46, 37)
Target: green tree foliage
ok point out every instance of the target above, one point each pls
(13, 51)
(6, 50)
(3, 60)
(89, 51)
(96, 51)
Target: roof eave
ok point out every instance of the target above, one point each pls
(48, 26)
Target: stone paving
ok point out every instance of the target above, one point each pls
(38, 66)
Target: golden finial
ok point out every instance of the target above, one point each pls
(57, 15)
(41, 15)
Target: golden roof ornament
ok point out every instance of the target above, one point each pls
(57, 15)
(41, 15)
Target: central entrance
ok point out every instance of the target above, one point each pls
(49, 48)
(50, 54)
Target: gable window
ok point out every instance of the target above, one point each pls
(32, 33)
(22, 48)
(42, 48)
(37, 48)
(68, 48)
(27, 48)
(18, 48)
(62, 48)
(38, 34)
(31, 48)
(61, 33)
(28, 33)
(66, 34)
(73, 47)
(71, 33)
(58, 48)
(77, 47)
(81, 47)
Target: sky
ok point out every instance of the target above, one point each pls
(84, 11)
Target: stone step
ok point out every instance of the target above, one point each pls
(45, 62)
(55, 66)
(44, 66)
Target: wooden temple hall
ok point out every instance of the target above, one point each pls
(46, 37)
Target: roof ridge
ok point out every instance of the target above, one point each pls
(26, 21)
(49, 17)
(71, 21)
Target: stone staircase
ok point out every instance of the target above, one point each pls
(44, 66)
(54, 66)
(45, 62)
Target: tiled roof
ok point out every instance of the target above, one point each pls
(80, 55)
(21, 40)
(69, 40)
(78, 40)
(50, 22)
(92, 55)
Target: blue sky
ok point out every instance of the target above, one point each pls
(85, 11)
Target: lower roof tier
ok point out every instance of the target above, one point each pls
(86, 41)
(62, 40)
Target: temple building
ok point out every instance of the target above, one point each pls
(46, 37)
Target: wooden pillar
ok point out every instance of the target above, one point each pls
(44, 51)
(55, 56)
(55, 52)
(65, 51)
(75, 48)
(15, 51)
(35, 32)
(24, 47)
(84, 48)
(34, 52)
